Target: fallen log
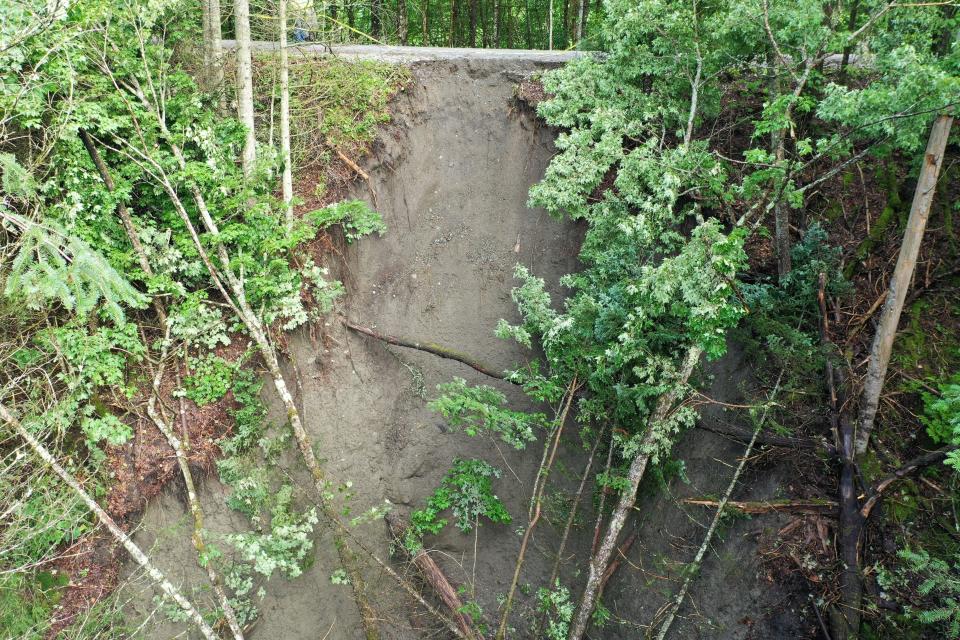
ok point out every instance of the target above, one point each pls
(744, 435)
(428, 347)
(770, 506)
(434, 576)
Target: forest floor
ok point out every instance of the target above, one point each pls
(450, 175)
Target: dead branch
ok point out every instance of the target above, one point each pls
(622, 552)
(546, 465)
(353, 165)
(925, 460)
(744, 436)
(555, 572)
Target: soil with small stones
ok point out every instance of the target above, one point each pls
(451, 177)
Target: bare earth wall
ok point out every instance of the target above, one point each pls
(451, 176)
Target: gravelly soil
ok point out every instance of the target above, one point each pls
(451, 177)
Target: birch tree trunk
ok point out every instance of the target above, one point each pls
(549, 27)
(131, 547)
(902, 274)
(241, 15)
(581, 20)
(600, 561)
(285, 117)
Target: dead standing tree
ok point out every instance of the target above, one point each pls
(900, 282)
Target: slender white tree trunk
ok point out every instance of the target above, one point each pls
(241, 15)
(135, 552)
(600, 561)
(549, 27)
(285, 117)
(215, 45)
(900, 282)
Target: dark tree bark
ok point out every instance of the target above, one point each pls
(526, 22)
(582, 20)
(474, 10)
(424, 26)
(376, 18)
(453, 23)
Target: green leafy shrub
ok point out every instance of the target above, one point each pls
(937, 582)
(556, 605)
(355, 216)
(482, 408)
(467, 490)
(287, 543)
(210, 380)
(941, 415)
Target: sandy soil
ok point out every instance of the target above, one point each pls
(451, 177)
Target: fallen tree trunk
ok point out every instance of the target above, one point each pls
(770, 506)
(845, 615)
(435, 577)
(745, 436)
(428, 347)
(600, 560)
(131, 547)
(902, 274)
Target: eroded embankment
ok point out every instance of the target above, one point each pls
(451, 176)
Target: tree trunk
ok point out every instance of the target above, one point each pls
(851, 25)
(582, 20)
(403, 26)
(473, 10)
(781, 214)
(902, 274)
(423, 23)
(241, 15)
(550, 27)
(599, 562)
(496, 24)
(453, 23)
(135, 552)
(216, 50)
(376, 18)
(285, 118)
(566, 22)
(125, 218)
(526, 23)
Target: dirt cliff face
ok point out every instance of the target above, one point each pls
(450, 176)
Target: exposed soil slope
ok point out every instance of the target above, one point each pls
(450, 177)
